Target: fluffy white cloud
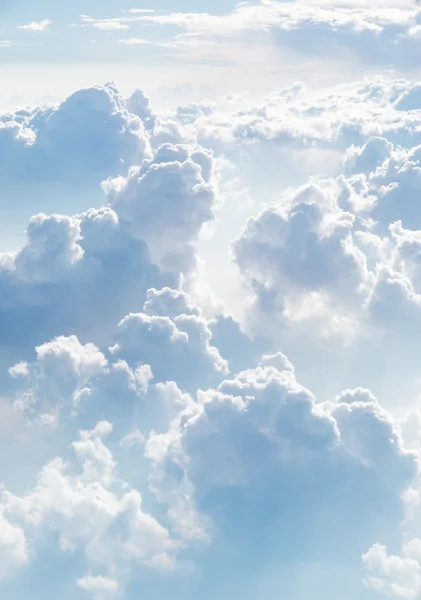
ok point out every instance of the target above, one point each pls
(394, 576)
(337, 260)
(36, 26)
(89, 508)
(100, 587)
(68, 265)
(72, 378)
(166, 201)
(301, 252)
(89, 136)
(13, 545)
(270, 472)
(208, 457)
(81, 274)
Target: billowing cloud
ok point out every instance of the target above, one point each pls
(13, 545)
(302, 253)
(170, 343)
(103, 261)
(89, 508)
(175, 447)
(166, 201)
(271, 475)
(90, 135)
(391, 575)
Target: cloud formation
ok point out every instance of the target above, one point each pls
(172, 441)
(89, 136)
(36, 26)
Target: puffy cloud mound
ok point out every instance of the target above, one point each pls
(273, 475)
(177, 349)
(85, 504)
(71, 378)
(88, 136)
(76, 275)
(166, 201)
(81, 274)
(302, 253)
(13, 545)
(332, 269)
(100, 587)
(391, 575)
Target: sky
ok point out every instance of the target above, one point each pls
(210, 300)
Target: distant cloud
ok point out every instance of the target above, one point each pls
(135, 41)
(141, 10)
(36, 26)
(110, 25)
(98, 585)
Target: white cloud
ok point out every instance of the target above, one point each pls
(86, 508)
(133, 438)
(100, 587)
(112, 25)
(167, 201)
(13, 546)
(362, 32)
(37, 26)
(136, 42)
(111, 256)
(261, 436)
(396, 576)
(103, 334)
(88, 136)
(169, 342)
(302, 253)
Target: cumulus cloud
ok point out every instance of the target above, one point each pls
(100, 587)
(36, 26)
(302, 252)
(334, 262)
(270, 473)
(90, 509)
(178, 350)
(166, 201)
(14, 547)
(396, 576)
(94, 262)
(174, 441)
(89, 136)
(169, 342)
(81, 274)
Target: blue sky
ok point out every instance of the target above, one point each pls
(210, 300)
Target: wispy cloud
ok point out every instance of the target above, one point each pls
(110, 25)
(11, 44)
(135, 42)
(140, 10)
(36, 26)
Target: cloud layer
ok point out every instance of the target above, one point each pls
(186, 440)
